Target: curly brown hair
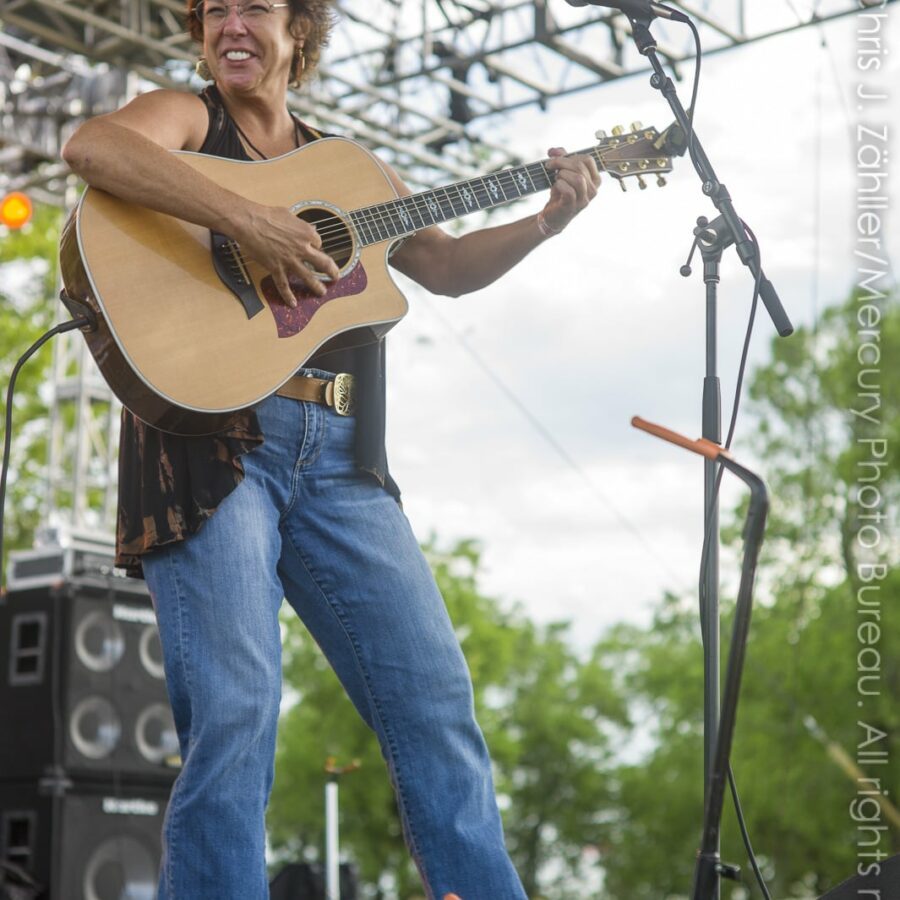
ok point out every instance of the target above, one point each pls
(317, 18)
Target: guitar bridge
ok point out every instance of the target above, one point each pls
(232, 272)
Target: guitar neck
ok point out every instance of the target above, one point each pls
(406, 215)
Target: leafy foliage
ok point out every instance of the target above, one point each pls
(28, 280)
(802, 698)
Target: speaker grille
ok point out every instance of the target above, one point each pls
(99, 641)
(119, 867)
(85, 689)
(86, 843)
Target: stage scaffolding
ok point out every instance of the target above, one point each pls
(423, 82)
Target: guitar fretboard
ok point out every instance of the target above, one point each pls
(407, 215)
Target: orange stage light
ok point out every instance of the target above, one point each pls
(15, 210)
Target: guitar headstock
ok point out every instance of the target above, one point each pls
(636, 153)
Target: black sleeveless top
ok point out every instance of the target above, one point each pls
(170, 485)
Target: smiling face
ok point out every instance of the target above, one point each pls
(310, 22)
(252, 52)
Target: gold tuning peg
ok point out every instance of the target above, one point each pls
(618, 130)
(642, 183)
(660, 181)
(622, 185)
(636, 126)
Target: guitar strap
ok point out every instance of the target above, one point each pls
(222, 138)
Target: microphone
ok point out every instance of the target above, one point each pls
(637, 9)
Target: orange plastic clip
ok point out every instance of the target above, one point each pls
(703, 446)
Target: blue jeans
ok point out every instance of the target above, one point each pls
(306, 525)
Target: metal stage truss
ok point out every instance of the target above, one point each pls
(420, 81)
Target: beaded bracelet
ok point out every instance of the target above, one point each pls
(545, 230)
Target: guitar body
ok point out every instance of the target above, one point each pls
(187, 332)
(174, 342)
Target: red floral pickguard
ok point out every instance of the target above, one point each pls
(293, 321)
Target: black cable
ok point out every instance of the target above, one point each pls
(754, 303)
(7, 438)
(745, 834)
(698, 57)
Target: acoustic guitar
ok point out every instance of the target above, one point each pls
(186, 330)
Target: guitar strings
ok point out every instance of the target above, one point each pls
(388, 217)
(386, 221)
(374, 216)
(388, 213)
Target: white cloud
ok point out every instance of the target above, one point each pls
(598, 325)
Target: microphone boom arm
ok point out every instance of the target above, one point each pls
(712, 187)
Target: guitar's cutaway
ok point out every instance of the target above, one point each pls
(178, 336)
(190, 331)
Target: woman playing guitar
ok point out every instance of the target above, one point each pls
(293, 498)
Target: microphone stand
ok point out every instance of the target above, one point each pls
(709, 867)
(713, 239)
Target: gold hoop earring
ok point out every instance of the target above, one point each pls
(298, 68)
(202, 69)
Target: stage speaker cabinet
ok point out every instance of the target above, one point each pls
(83, 689)
(87, 842)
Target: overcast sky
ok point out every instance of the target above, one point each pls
(598, 325)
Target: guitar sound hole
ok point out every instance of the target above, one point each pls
(337, 240)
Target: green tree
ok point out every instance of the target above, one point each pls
(548, 716)
(801, 686)
(28, 283)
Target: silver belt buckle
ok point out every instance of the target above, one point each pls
(340, 394)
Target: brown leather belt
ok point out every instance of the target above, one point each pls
(339, 392)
